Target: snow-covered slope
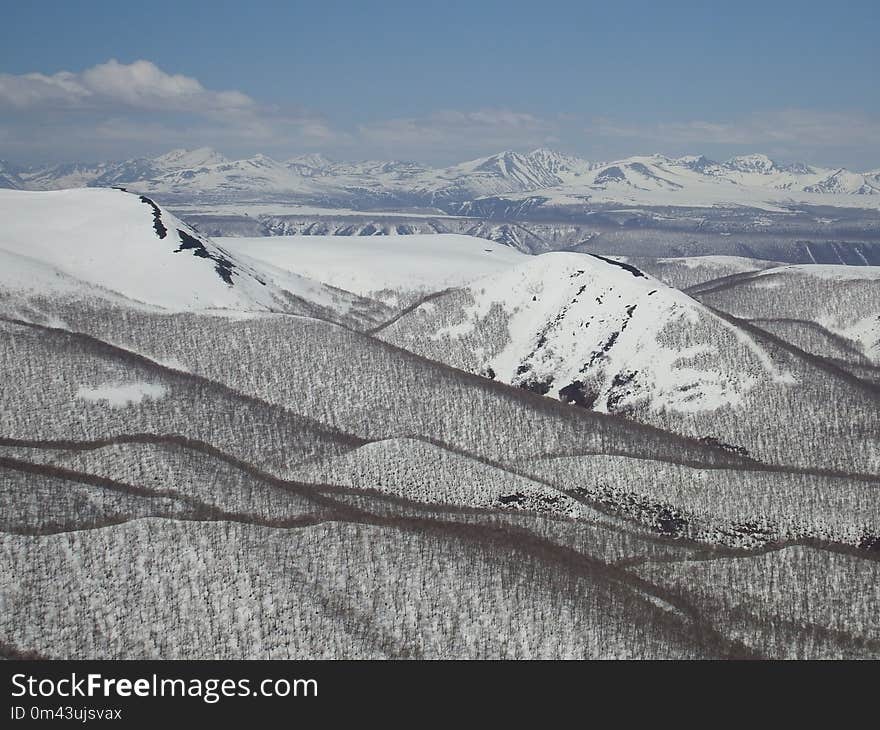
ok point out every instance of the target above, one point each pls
(505, 172)
(369, 264)
(751, 164)
(846, 182)
(126, 244)
(106, 174)
(591, 331)
(841, 300)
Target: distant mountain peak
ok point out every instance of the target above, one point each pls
(555, 161)
(545, 152)
(798, 168)
(183, 158)
(313, 160)
(759, 163)
(537, 169)
(699, 163)
(502, 162)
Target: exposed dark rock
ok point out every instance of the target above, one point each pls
(670, 522)
(579, 394)
(222, 265)
(618, 389)
(158, 225)
(541, 387)
(533, 502)
(629, 267)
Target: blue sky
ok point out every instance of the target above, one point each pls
(440, 82)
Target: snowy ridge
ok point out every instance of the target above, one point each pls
(504, 172)
(591, 331)
(126, 244)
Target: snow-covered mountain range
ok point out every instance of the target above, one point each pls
(542, 176)
(591, 456)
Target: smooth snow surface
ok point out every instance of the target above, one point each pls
(364, 264)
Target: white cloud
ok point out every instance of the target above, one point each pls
(460, 130)
(122, 110)
(791, 127)
(138, 85)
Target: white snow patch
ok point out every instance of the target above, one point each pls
(120, 395)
